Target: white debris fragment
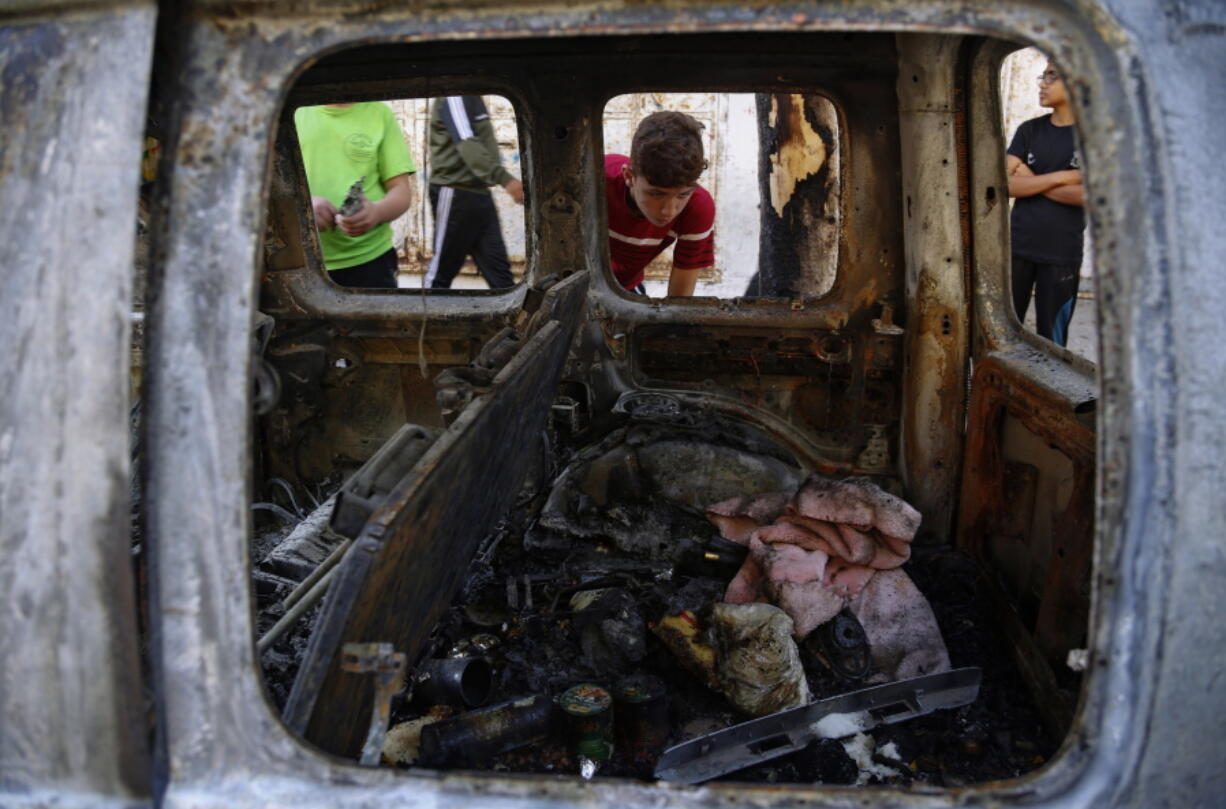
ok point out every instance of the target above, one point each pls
(861, 747)
(1078, 659)
(840, 725)
(586, 598)
(587, 768)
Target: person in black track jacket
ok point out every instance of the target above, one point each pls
(464, 164)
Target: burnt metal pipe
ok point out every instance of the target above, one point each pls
(479, 735)
(316, 574)
(293, 614)
(454, 681)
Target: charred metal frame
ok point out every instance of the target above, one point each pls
(71, 126)
(1051, 406)
(68, 681)
(402, 572)
(779, 365)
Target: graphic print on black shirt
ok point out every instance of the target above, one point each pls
(1044, 230)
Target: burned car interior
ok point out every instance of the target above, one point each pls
(838, 529)
(562, 529)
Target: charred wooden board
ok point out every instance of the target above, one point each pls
(409, 560)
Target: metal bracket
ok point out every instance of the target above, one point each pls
(388, 667)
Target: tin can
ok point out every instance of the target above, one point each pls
(590, 720)
(641, 706)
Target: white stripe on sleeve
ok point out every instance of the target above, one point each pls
(459, 116)
(631, 240)
(696, 237)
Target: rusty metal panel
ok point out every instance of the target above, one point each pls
(407, 563)
(72, 108)
(938, 262)
(838, 387)
(1047, 613)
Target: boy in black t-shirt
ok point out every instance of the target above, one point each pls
(1048, 219)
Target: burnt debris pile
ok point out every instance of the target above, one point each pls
(617, 616)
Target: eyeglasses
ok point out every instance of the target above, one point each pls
(1049, 77)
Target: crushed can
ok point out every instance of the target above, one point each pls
(589, 717)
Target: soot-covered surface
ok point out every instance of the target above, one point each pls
(543, 650)
(517, 604)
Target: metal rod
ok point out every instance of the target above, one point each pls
(278, 510)
(315, 575)
(289, 493)
(291, 617)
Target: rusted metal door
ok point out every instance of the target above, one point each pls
(1026, 509)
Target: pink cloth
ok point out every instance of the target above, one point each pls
(739, 517)
(902, 631)
(813, 552)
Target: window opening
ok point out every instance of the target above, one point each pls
(773, 174)
(463, 170)
(1060, 263)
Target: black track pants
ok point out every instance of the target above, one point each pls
(466, 224)
(1055, 295)
(380, 272)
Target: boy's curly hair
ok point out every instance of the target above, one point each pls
(667, 149)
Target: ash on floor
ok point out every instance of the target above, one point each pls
(520, 603)
(564, 591)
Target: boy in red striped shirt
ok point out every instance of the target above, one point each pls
(654, 200)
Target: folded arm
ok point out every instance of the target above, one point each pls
(1068, 194)
(1060, 186)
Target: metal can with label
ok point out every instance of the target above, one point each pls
(641, 705)
(590, 720)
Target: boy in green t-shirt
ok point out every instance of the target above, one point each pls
(342, 143)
